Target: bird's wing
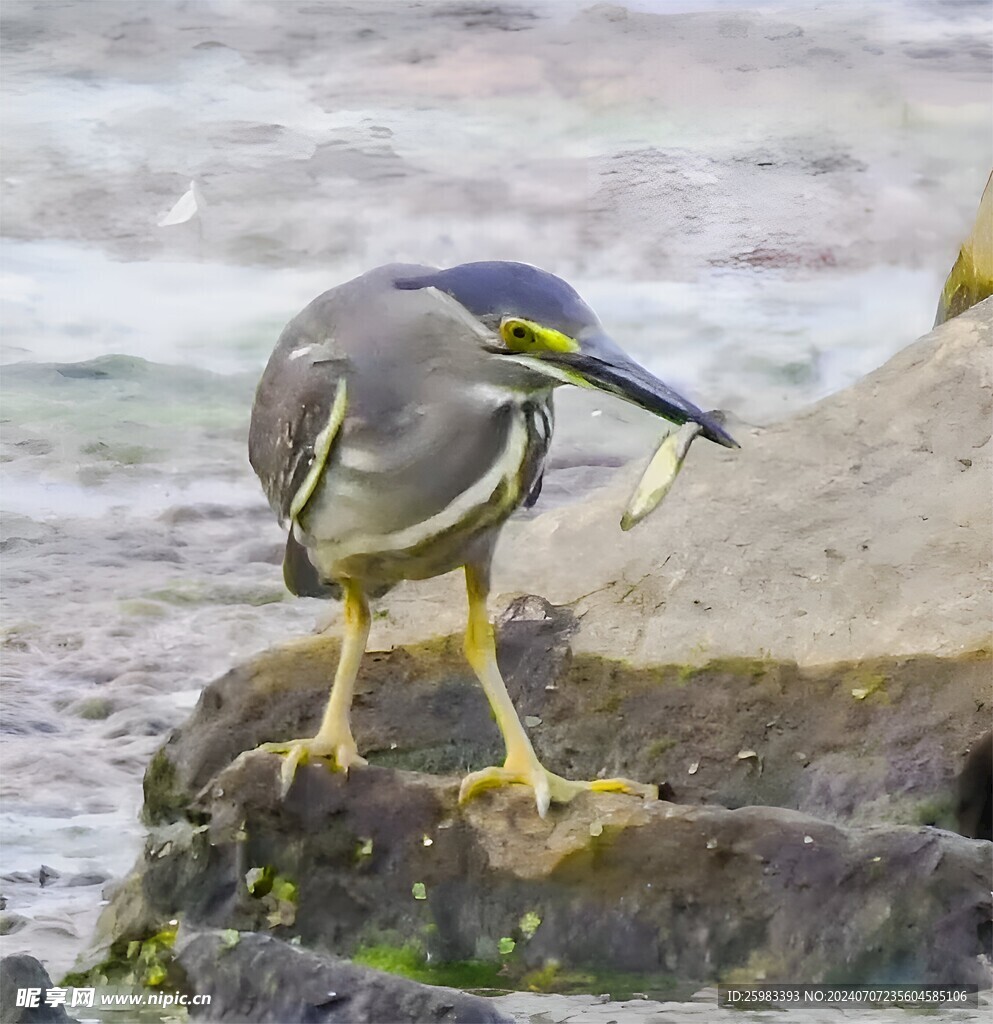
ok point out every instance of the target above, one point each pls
(539, 418)
(535, 493)
(301, 576)
(299, 408)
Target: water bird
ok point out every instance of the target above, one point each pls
(401, 419)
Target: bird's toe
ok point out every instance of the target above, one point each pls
(340, 755)
(486, 778)
(645, 790)
(549, 788)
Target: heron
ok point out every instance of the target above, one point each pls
(402, 418)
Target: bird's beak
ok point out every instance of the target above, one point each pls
(602, 364)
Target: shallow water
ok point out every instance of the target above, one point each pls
(760, 203)
(773, 343)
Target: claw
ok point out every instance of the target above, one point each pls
(542, 797)
(547, 786)
(342, 756)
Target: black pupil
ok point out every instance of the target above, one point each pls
(519, 332)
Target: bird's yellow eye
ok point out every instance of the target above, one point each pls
(517, 335)
(525, 336)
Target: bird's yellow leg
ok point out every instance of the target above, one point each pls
(334, 739)
(522, 766)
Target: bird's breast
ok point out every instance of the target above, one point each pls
(421, 472)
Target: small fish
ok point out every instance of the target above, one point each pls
(660, 475)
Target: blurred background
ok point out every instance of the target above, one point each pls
(761, 202)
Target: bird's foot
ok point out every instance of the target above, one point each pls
(340, 751)
(548, 787)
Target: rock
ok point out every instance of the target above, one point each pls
(605, 884)
(260, 978)
(890, 756)
(848, 532)
(86, 878)
(971, 278)
(19, 972)
(11, 922)
(47, 875)
(819, 597)
(805, 627)
(975, 791)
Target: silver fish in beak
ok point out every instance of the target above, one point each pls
(660, 474)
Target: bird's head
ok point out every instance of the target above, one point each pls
(538, 321)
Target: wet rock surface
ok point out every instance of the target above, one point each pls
(262, 979)
(668, 892)
(20, 972)
(974, 813)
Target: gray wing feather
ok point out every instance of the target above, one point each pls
(293, 403)
(300, 575)
(540, 420)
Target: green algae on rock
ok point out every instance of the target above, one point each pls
(144, 962)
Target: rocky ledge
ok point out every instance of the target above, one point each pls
(797, 647)
(606, 885)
